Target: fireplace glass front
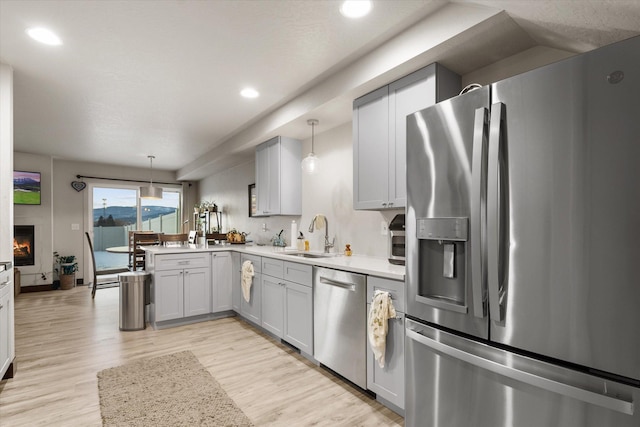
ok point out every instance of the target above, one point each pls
(23, 245)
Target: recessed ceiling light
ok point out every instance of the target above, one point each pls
(44, 36)
(249, 93)
(355, 8)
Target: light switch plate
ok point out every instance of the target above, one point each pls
(384, 228)
(75, 226)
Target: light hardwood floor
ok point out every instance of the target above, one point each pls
(63, 338)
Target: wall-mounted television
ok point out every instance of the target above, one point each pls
(26, 188)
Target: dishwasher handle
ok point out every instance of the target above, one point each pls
(340, 284)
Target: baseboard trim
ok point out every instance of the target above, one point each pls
(36, 288)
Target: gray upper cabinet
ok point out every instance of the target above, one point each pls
(279, 177)
(379, 134)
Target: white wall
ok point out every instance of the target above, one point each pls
(40, 216)
(330, 192)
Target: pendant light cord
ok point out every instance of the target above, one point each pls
(313, 123)
(151, 164)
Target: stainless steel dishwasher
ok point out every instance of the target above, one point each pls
(339, 323)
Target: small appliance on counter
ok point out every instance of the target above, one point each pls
(396, 240)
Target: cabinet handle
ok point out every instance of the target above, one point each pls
(390, 204)
(384, 205)
(1, 306)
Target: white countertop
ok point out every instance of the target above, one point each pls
(373, 266)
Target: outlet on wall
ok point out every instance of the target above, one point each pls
(384, 228)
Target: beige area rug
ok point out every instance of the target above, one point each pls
(173, 390)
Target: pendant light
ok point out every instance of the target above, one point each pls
(151, 192)
(311, 163)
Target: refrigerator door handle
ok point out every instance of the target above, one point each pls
(552, 385)
(478, 202)
(496, 292)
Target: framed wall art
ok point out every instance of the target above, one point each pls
(26, 188)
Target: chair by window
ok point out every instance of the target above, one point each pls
(136, 240)
(94, 285)
(174, 238)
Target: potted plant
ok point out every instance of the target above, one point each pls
(66, 267)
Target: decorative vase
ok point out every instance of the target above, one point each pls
(67, 281)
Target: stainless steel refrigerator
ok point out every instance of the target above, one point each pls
(523, 249)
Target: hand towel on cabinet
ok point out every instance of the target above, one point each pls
(247, 279)
(381, 311)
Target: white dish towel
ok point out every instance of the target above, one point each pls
(381, 311)
(247, 279)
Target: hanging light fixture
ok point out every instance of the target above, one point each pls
(151, 192)
(311, 163)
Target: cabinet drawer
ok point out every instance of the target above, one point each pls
(255, 260)
(272, 267)
(173, 262)
(298, 273)
(5, 279)
(394, 287)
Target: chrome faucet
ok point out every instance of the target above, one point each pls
(327, 245)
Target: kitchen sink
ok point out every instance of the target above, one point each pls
(312, 254)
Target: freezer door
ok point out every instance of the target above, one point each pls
(455, 382)
(446, 165)
(563, 210)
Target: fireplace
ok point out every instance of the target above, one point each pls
(23, 245)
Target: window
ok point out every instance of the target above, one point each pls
(117, 209)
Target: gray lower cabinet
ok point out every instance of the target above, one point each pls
(298, 316)
(252, 310)
(272, 304)
(181, 286)
(287, 302)
(6, 321)
(379, 134)
(221, 283)
(388, 382)
(197, 291)
(236, 292)
(272, 295)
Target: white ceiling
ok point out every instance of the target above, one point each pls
(136, 78)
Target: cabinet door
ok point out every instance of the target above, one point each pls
(236, 292)
(268, 177)
(5, 336)
(298, 316)
(251, 310)
(388, 382)
(221, 284)
(370, 150)
(273, 156)
(197, 291)
(412, 93)
(262, 180)
(168, 295)
(272, 301)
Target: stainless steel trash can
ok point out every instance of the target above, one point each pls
(134, 295)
